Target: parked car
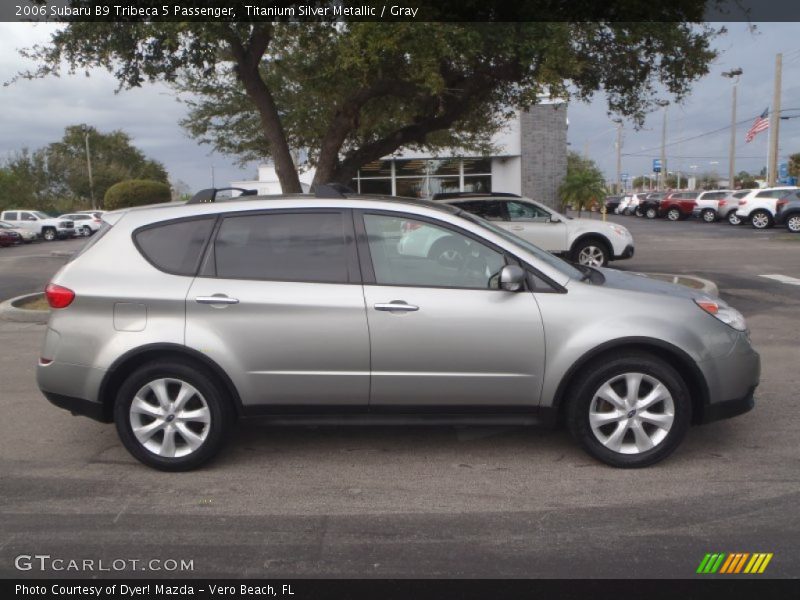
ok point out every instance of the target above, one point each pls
(9, 237)
(585, 241)
(759, 206)
(612, 202)
(789, 211)
(648, 207)
(707, 205)
(26, 235)
(727, 207)
(40, 223)
(677, 206)
(623, 205)
(634, 204)
(86, 223)
(174, 321)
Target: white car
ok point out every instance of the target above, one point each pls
(623, 205)
(587, 242)
(727, 207)
(26, 234)
(759, 206)
(86, 223)
(40, 223)
(707, 205)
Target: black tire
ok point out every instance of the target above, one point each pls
(49, 234)
(595, 375)
(651, 213)
(673, 214)
(449, 251)
(596, 247)
(761, 219)
(709, 215)
(793, 223)
(734, 219)
(639, 212)
(219, 405)
(86, 231)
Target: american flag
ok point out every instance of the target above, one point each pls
(760, 124)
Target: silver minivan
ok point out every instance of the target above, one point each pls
(176, 320)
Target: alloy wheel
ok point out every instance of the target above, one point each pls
(709, 216)
(793, 224)
(170, 418)
(673, 214)
(591, 256)
(631, 413)
(760, 221)
(734, 219)
(651, 213)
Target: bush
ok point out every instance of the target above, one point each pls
(136, 192)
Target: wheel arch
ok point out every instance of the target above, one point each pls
(593, 235)
(669, 353)
(133, 359)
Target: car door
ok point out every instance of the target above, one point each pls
(278, 304)
(536, 224)
(442, 334)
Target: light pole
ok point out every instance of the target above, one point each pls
(86, 132)
(663, 173)
(733, 74)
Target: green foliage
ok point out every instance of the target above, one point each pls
(794, 165)
(136, 192)
(584, 183)
(348, 93)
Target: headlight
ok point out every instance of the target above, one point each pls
(619, 230)
(728, 315)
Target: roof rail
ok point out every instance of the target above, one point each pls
(332, 190)
(210, 194)
(449, 195)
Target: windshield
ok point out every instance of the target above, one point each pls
(555, 262)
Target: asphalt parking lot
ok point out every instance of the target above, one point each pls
(423, 502)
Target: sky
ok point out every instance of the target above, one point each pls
(35, 113)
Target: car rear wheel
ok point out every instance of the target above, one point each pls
(673, 214)
(709, 215)
(171, 416)
(761, 219)
(638, 212)
(651, 213)
(793, 224)
(632, 411)
(733, 218)
(86, 231)
(590, 253)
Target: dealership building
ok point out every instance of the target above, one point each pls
(530, 159)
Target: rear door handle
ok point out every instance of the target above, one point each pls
(396, 306)
(216, 299)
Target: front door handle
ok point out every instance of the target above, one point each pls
(396, 306)
(216, 299)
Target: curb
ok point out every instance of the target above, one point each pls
(707, 286)
(9, 312)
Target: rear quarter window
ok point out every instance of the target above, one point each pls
(176, 246)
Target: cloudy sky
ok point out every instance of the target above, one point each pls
(34, 113)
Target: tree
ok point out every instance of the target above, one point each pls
(348, 93)
(794, 165)
(584, 183)
(136, 192)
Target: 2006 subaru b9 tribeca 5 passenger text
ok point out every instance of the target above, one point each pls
(176, 320)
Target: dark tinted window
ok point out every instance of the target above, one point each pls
(11, 216)
(491, 210)
(283, 246)
(175, 247)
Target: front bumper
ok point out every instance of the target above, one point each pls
(732, 380)
(729, 408)
(626, 253)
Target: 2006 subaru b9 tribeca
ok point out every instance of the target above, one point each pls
(175, 320)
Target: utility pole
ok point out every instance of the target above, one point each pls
(89, 166)
(734, 75)
(662, 175)
(212, 177)
(619, 156)
(775, 121)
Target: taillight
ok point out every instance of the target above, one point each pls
(742, 202)
(96, 220)
(722, 203)
(58, 296)
(782, 203)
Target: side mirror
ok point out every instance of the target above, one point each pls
(512, 278)
(554, 219)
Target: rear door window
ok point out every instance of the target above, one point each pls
(175, 246)
(10, 216)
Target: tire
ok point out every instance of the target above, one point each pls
(673, 214)
(614, 440)
(49, 234)
(734, 219)
(709, 215)
(761, 219)
(591, 252)
(651, 213)
(206, 401)
(639, 212)
(793, 223)
(627, 212)
(448, 251)
(86, 231)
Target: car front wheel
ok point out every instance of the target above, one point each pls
(171, 416)
(49, 234)
(734, 219)
(631, 411)
(590, 253)
(651, 213)
(761, 219)
(793, 224)
(709, 215)
(673, 214)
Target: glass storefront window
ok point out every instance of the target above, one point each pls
(411, 187)
(481, 183)
(477, 166)
(416, 166)
(449, 166)
(421, 178)
(376, 186)
(377, 168)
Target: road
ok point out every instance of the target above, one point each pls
(428, 502)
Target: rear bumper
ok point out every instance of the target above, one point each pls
(78, 406)
(626, 253)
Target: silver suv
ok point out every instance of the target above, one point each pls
(176, 320)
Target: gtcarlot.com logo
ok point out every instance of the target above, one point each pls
(734, 563)
(46, 562)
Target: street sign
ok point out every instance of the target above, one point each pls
(656, 165)
(783, 170)
(624, 176)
